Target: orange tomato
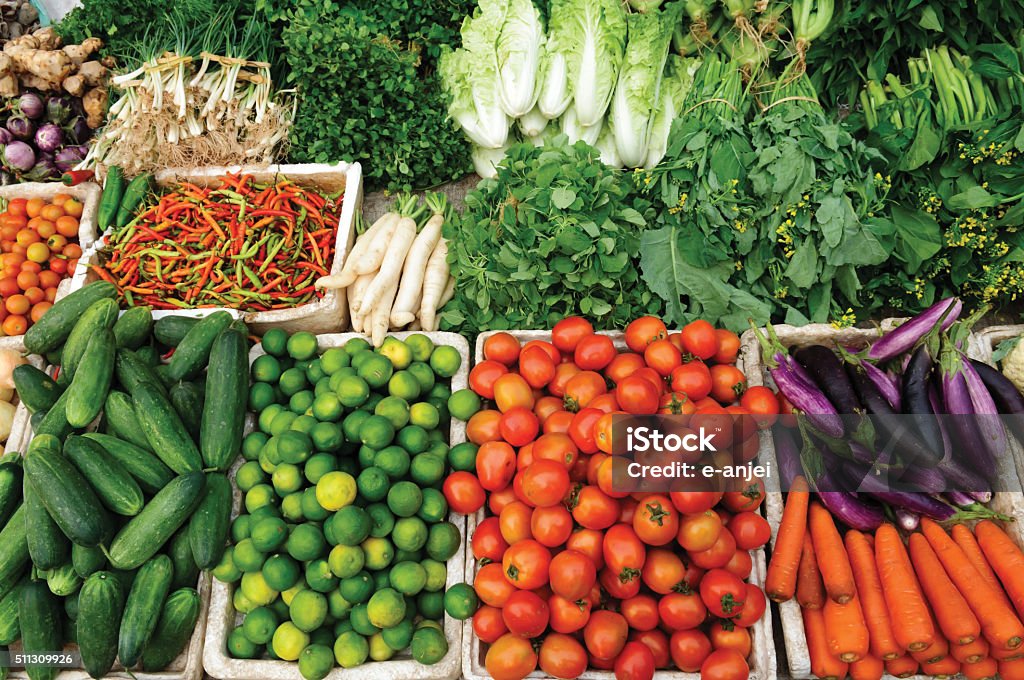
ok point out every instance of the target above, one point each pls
(29, 266)
(60, 199)
(51, 294)
(39, 309)
(15, 324)
(12, 260)
(511, 390)
(58, 265)
(46, 229)
(48, 279)
(72, 251)
(9, 232)
(38, 252)
(35, 294)
(51, 212)
(73, 208)
(27, 279)
(27, 237)
(9, 286)
(482, 426)
(17, 206)
(67, 226)
(17, 304)
(34, 207)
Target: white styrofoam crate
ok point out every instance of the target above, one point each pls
(87, 193)
(223, 617)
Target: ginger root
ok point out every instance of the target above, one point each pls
(38, 67)
(80, 53)
(9, 86)
(74, 85)
(95, 104)
(94, 73)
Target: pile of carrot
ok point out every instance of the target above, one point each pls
(938, 604)
(241, 244)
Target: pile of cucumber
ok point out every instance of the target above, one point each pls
(122, 497)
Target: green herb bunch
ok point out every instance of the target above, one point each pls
(555, 233)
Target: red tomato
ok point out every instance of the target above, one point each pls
(617, 588)
(590, 542)
(740, 564)
(568, 616)
(562, 656)
(488, 624)
(727, 383)
(484, 426)
(637, 395)
(511, 390)
(727, 635)
(515, 522)
(582, 429)
(594, 352)
(724, 664)
(690, 502)
(682, 611)
(663, 357)
(495, 465)
(499, 500)
(463, 492)
(623, 366)
(677, 404)
(641, 612)
(545, 483)
(526, 564)
(657, 642)
(594, 509)
(663, 571)
(643, 331)
(763, 403)
(582, 388)
(536, 366)
(750, 530)
(606, 483)
(692, 379)
(787, 415)
(728, 346)
(753, 608)
(549, 349)
(648, 373)
(545, 406)
(603, 432)
(552, 526)
(635, 662)
(556, 446)
(749, 496)
(568, 332)
(487, 540)
(699, 339)
(525, 614)
(689, 648)
(605, 634)
(624, 552)
(501, 347)
(716, 421)
(563, 373)
(605, 403)
(483, 375)
(491, 586)
(699, 531)
(519, 426)
(510, 658)
(717, 555)
(572, 574)
(723, 593)
(656, 521)
(559, 421)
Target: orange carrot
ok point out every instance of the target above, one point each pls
(965, 539)
(810, 592)
(1006, 560)
(901, 666)
(985, 669)
(872, 600)
(831, 555)
(780, 585)
(935, 652)
(823, 664)
(999, 623)
(1012, 670)
(975, 651)
(868, 667)
(947, 667)
(846, 631)
(956, 620)
(911, 621)
(1006, 654)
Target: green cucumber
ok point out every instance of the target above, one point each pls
(42, 620)
(100, 603)
(36, 390)
(11, 475)
(14, 556)
(187, 399)
(122, 421)
(114, 485)
(64, 580)
(55, 421)
(167, 435)
(145, 601)
(134, 327)
(133, 372)
(87, 561)
(149, 355)
(132, 199)
(227, 388)
(186, 572)
(150, 472)
(208, 529)
(47, 545)
(10, 631)
(54, 327)
(177, 623)
(92, 380)
(100, 316)
(64, 492)
(192, 354)
(169, 330)
(146, 533)
(110, 201)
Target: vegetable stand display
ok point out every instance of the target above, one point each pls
(1008, 503)
(219, 660)
(320, 315)
(983, 347)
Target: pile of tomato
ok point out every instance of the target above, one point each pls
(574, 574)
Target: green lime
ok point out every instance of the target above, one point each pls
(275, 342)
(259, 496)
(410, 533)
(308, 610)
(424, 414)
(445, 361)
(267, 416)
(241, 603)
(463, 456)
(366, 456)
(379, 649)
(306, 543)
(318, 466)
(437, 575)
(302, 346)
(261, 395)
(327, 407)
(395, 409)
(352, 423)
(382, 521)
(259, 625)
(408, 556)
(239, 646)
(282, 422)
(355, 345)
(301, 401)
(398, 637)
(434, 507)
(351, 649)
(286, 598)
(226, 571)
(376, 370)
(356, 588)
(461, 601)
(346, 561)
(373, 484)
(361, 620)
(463, 404)
(424, 375)
(443, 541)
(280, 607)
(293, 380)
(323, 386)
(314, 372)
(426, 469)
(376, 432)
(408, 578)
(437, 447)
(386, 608)
(266, 369)
(413, 439)
(269, 459)
(333, 360)
(269, 534)
(281, 572)
(311, 508)
(361, 357)
(253, 444)
(350, 525)
(443, 416)
(437, 437)
(256, 590)
(404, 385)
(352, 391)
(439, 392)
(393, 460)
(397, 351)
(249, 475)
(316, 661)
(262, 513)
(335, 490)
(431, 604)
(327, 436)
(320, 577)
(420, 345)
(289, 641)
(338, 607)
(303, 424)
(241, 527)
(429, 645)
(379, 552)
(336, 379)
(291, 507)
(287, 479)
(405, 499)
(294, 447)
(371, 403)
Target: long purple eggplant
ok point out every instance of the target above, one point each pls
(891, 429)
(959, 499)
(788, 457)
(886, 384)
(916, 405)
(1008, 399)
(853, 511)
(958, 404)
(826, 370)
(990, 425)
(901, 339)
(920, 503)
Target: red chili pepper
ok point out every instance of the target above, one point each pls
(74, 177)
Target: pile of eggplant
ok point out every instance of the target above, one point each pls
(910, 425)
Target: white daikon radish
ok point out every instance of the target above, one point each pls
(411, 286)
(435, 278)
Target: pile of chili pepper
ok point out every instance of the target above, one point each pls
(241, 245)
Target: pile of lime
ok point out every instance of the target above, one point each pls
(340, 552)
